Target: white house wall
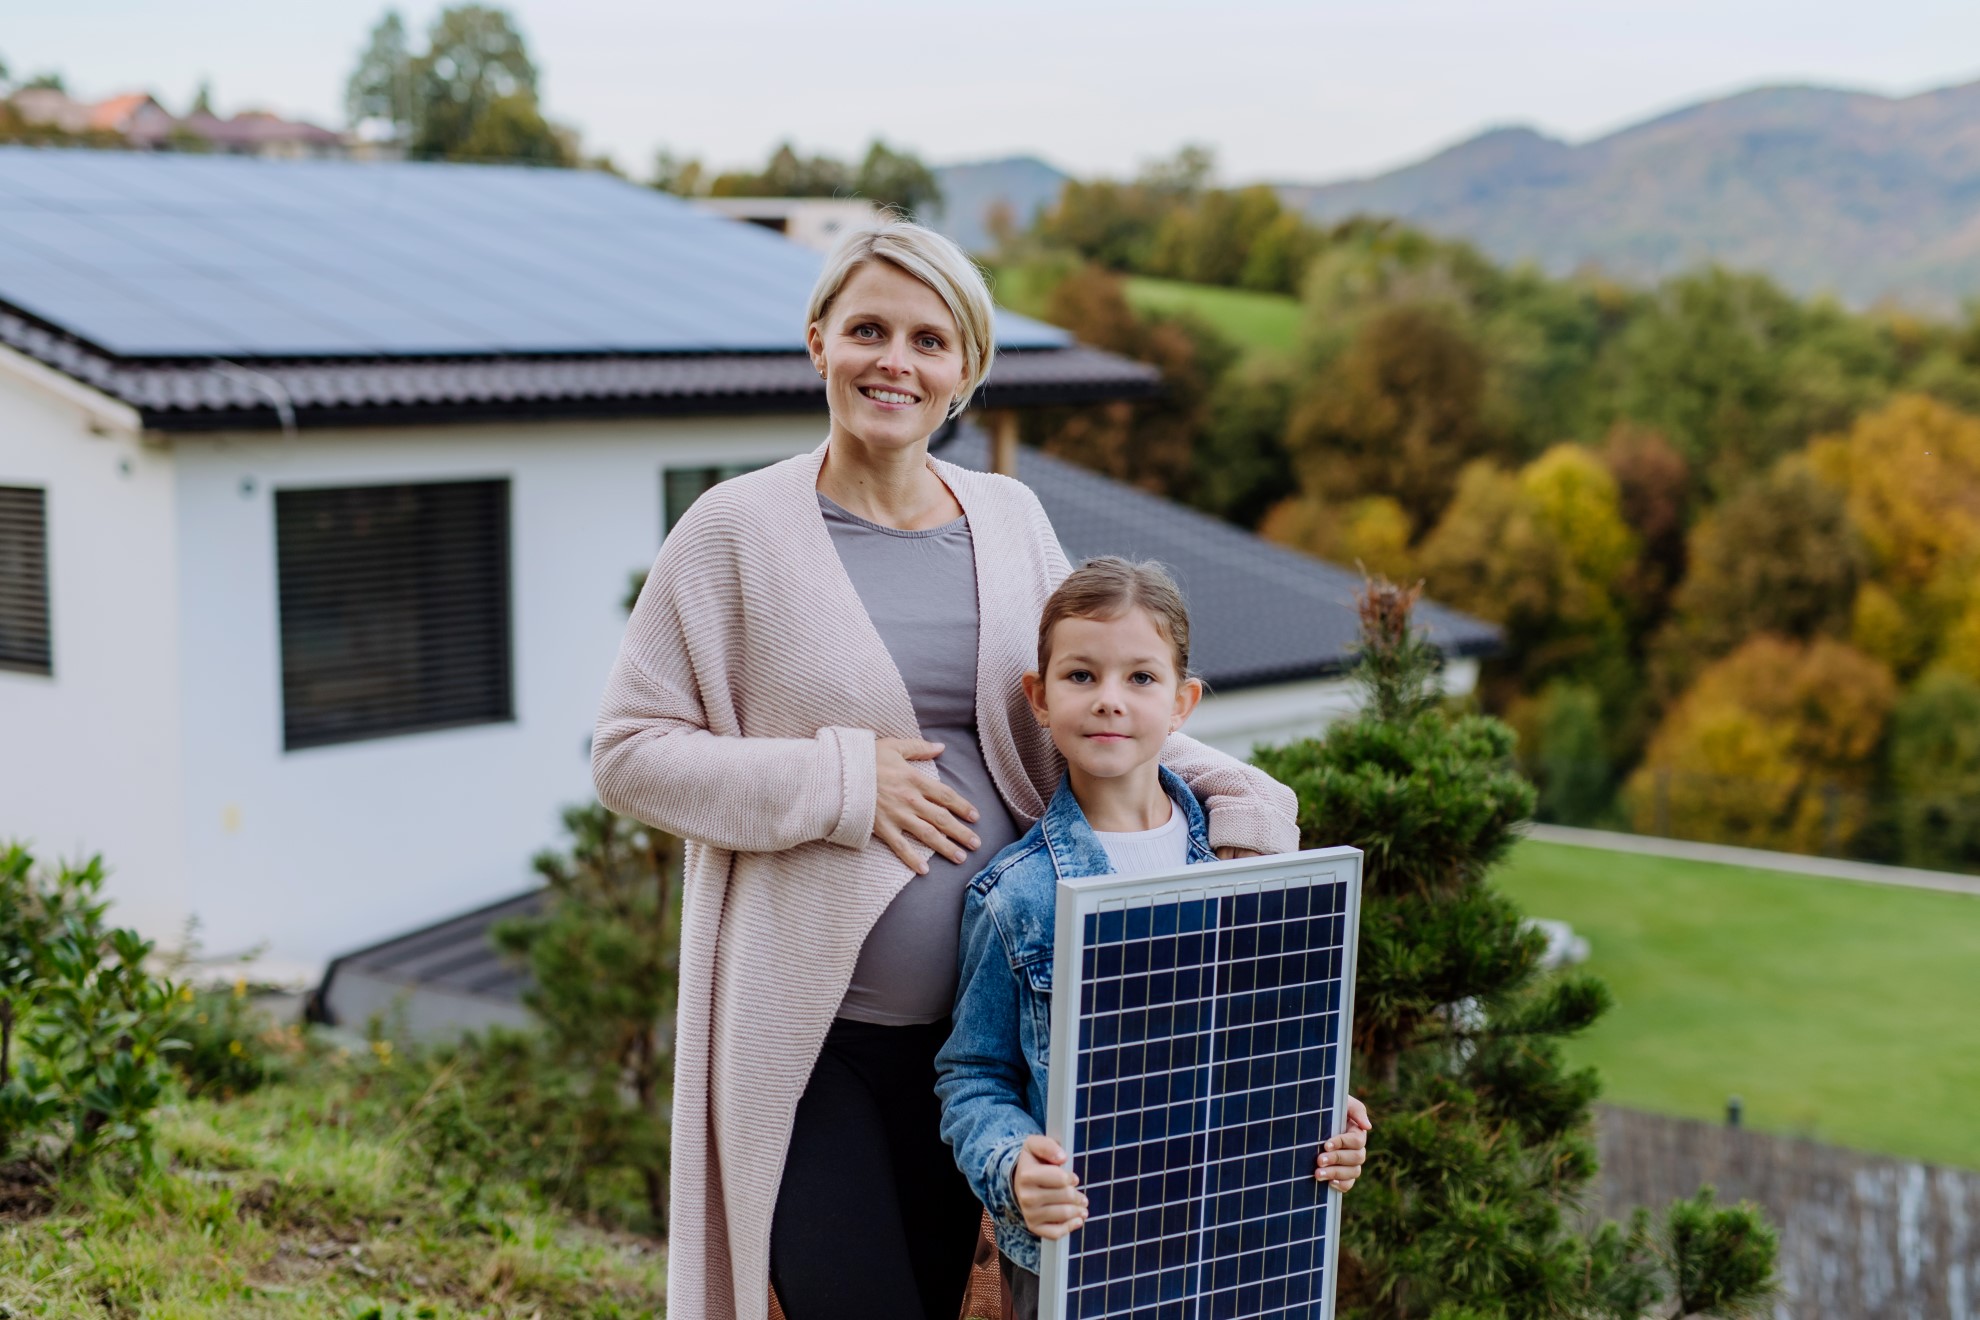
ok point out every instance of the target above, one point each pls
(87, 755)
(313, 852)
(1236, 722)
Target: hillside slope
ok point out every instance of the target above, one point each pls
(1861, 195)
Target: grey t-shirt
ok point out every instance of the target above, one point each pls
(919, 588)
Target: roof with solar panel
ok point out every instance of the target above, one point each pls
(380, 291)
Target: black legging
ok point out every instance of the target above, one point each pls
(873, 1219)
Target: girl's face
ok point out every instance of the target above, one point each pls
(891, 355)
(1111, 694)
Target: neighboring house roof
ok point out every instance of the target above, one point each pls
(1259, 612)
(258, 128)
(117, 112)
(389, 291)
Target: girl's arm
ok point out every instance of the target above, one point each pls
(980, 1074)
(654, 758)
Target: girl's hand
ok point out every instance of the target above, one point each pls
(1342, 1157)
(1047, 1192)
(1229, 851)
(910, 808)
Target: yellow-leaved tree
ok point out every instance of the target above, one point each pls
(1545, 552)
(1770, 748)
(1910, 478)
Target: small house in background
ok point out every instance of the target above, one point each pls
(144, 124)
(817, 223)
(322, 484)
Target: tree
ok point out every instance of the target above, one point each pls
(604, 962)
(1398, 413)
(1151, 443)
(1909, 474)
(896, 179)
(1778, 557)
(1482, 1149)
(1654, 484)
(475, 92)
(1242, 468)
(1770, 748)
(202, 103)
(380, 88)
(1544, 552)
(1935, 772)
(1737, 373)
(679, 175)
(788, 174)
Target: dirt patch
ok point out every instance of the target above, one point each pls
(25, 1192)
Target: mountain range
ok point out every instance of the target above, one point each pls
(1855, 194)
(1864, 196)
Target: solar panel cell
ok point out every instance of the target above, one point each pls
(1197, 1067)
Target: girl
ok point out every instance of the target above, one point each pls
(1112, 685)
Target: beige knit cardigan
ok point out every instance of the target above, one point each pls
(741, 715)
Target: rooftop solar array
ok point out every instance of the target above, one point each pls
(167, 255)
(1200, 1027)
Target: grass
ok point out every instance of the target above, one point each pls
(1840, 1011)
(1255, 322)
(308, 1199)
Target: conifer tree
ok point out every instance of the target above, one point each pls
(1482, 1144)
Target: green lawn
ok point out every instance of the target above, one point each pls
(1255, 322)
(1842, 1011)
(1252, 321)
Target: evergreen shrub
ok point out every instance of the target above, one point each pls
(1481, 1150)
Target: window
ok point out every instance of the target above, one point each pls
(681, 487)
(395, 609)
(24, 641)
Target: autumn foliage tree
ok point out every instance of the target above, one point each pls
(1150, 443)
(1770, 748)
(1780, 556)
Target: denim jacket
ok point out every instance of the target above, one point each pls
(991, 1073)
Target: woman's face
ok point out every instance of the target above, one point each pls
(891, 355)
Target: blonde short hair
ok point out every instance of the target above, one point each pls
(937, 262)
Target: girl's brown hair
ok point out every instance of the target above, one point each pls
(1107, 588)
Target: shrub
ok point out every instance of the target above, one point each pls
(1481, 1143)
(85, 1025)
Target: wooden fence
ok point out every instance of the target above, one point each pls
(1863, 1237)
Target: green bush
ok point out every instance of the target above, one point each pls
(85, 1024)
(1481, 1145)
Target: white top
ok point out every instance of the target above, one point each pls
(1146, 852)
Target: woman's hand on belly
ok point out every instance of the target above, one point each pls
(912, 808)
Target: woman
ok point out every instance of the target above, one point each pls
(819, 691)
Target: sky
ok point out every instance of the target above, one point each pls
(1287, 92)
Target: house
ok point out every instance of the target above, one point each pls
(814, 222)
(1272, 634)
(141, 122)
(265, 133)
(322, 483)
